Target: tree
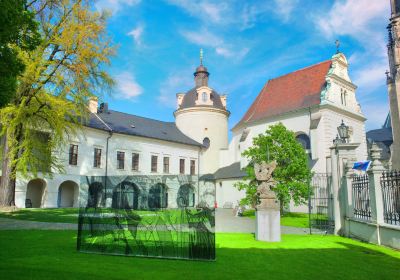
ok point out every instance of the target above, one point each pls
(18, 30)
(62, 73)
(292, 173)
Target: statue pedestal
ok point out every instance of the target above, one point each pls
(268, 227)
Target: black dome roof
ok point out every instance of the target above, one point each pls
(189, 100)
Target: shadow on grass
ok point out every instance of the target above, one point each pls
(50, 255)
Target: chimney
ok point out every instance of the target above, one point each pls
(93, 104)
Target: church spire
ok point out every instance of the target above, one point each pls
(201, 74)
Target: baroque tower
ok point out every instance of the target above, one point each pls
(202, 115)
(393, 79)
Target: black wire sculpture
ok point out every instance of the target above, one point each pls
(147, 216)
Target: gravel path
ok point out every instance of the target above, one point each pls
(225, 222)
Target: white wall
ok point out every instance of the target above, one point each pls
(91, 138)
(227, 194)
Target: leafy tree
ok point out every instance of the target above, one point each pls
(18, 30)
(292, 173)
(62, 73)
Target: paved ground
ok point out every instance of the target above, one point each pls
(225, 222)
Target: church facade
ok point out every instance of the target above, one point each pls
(193, 154)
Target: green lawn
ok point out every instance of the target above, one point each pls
(52, 215)
(52, 255)
(299, 220)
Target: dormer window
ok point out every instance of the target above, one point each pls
(204, 97)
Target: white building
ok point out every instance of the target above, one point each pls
(312, 102)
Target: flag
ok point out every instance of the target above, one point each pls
(362, 165)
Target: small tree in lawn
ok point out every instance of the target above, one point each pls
(292, 173)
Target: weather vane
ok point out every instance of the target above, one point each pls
(201, 56)
(337, 43)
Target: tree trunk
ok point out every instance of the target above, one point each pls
(7, 184)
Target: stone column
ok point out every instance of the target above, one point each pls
(348, 182)
(393, 89)
(339, 153)
(375, 190)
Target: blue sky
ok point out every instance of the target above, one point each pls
(245, 43)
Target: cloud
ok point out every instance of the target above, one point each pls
(284, 8)
(353, 17)
(205, 38)
(371, 76)
(114, 6)
(204, 10)
(127, 86)
(172, 85)
(137, 33)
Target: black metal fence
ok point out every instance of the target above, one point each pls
(320, 203)
(361, 198)
(390, 183)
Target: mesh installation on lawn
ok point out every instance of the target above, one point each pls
(169, 216)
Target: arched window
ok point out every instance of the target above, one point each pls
(158, 196)
(204, 96)
(304, 140)
(206, 142)
(95, 194)
(186, 196)
(126, 196)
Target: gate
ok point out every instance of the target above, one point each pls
(320, 204)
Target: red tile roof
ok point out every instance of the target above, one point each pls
(293, 91)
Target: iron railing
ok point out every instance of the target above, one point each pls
(361, 198)
(390, 183)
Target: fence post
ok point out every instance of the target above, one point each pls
(375, 190)
(349, 188)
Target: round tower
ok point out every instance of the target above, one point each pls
(202, 115)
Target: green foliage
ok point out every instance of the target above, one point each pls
(292, 173)
(62, 73)
(18, 31)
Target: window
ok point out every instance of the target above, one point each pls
(120, 160)
(204, 96)
(192, 167)
(154, 163)
(182, 166)
(343, 97)
(73, 154)
(135, 161)
(206, 142)
(97, 157)
(166, 164)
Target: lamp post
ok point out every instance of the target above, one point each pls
(343, 132)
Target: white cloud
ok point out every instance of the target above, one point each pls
(205, 38)
(371, 76)
(204, 10)
(172, 85)
(127, 86)
(114, 6)
(354, 18)
(137, 33)
(284, 8)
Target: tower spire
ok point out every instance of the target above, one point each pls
(337, 43)
(201, 56)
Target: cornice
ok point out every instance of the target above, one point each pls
(202, 109)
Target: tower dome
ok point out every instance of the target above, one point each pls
(202, 115)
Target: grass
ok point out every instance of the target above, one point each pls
(52, 255)
(299, 220)
(51, 215)
(70, 215)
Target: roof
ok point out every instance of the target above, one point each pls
(231, 171)
(189, 100)
(380, 135)
(293, 91)
(139, 126)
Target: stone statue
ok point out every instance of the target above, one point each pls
(266, 184)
